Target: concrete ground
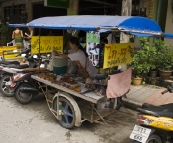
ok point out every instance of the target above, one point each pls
(34, 123)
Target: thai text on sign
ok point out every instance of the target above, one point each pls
(47, 44)
(117, 54)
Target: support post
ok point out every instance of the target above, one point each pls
(126, 11)
(74, 7)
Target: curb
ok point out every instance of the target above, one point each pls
(131, 104)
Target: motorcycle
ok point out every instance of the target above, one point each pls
(24, 87)
(8, 71)
(7, 64)
(156, 123)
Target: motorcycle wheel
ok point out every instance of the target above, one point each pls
(68, 113)
(154, 139)
(5, 90)
(23, 98)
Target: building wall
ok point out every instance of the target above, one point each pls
(16, 2)
(30, 17)
(73, 10)
(169, 22)
(149, 4)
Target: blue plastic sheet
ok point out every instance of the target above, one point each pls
(139, 26)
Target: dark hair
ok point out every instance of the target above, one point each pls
(74, 40)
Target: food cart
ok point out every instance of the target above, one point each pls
(61, 91)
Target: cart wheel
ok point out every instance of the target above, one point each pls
(5, 89)
(23, 98)
(68, 113)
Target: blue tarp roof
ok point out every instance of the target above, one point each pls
(136, 25)
(168, 35)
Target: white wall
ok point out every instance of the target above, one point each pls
(169, 23)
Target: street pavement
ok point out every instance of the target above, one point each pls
(34, 123)
(150, 94)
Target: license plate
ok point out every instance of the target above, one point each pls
(140, 134)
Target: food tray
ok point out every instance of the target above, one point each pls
(92, 97)
(83, 89)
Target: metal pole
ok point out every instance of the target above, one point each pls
(39, 49)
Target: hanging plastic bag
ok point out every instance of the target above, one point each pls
(72, 67)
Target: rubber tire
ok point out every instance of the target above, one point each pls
(4, 93)
(154, 136)
(17, 95)
(62, 99)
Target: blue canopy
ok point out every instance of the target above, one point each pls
(18, 25)
(136, 25)
(168, 35)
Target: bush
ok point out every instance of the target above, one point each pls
(144, 60)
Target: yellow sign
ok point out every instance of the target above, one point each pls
(47, 44)
(11, 55)
(7, 48)
(117, 54)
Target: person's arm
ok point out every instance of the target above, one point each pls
(13, 35)
(27, 35)
(21, 33)
(31, 34)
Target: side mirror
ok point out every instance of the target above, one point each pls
(23, 55)
(35, 56)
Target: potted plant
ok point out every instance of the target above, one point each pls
(143, 61)
(164, 58)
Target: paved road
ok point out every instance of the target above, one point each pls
(34, 123)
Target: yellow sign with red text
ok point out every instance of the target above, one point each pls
(117, 54)
(47, 44)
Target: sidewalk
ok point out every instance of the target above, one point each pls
(151, 94)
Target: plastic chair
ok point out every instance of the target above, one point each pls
(12, 42)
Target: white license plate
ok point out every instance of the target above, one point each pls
(140, 134)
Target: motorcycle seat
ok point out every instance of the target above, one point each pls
(17, 66)
(28, 69)
(163, 110)
(9, 62)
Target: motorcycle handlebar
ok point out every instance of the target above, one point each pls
(26, 51)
